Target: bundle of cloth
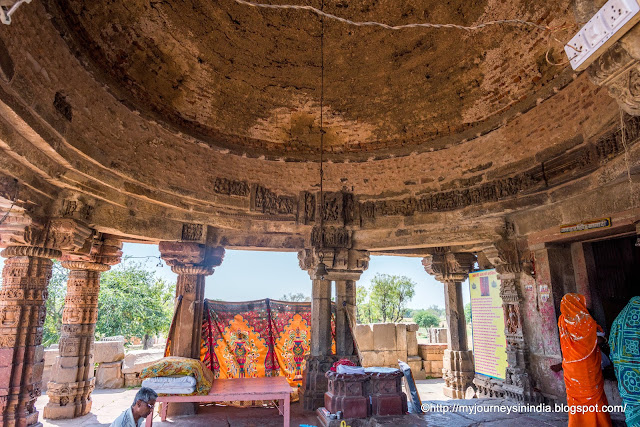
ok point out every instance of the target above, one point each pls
(178, 375)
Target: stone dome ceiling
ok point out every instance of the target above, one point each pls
(248, 80)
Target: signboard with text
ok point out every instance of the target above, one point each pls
(489, 341)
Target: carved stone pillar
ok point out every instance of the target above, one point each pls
(344, 266)
(512, 263)
(73, 371)
(618, 69)
(192, 262)
(26, 275)
(452, 269)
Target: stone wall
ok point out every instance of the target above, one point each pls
(431, 356)
(114, 369)
(383, 344)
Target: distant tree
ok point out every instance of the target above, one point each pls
(297, 297)
(55, 304)
(133, 302)
(467, 312)
(363, 308)
(437, 310)
(389, 296)
(426, 318)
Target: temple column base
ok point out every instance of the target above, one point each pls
(68, 400)
(314, 382)
(458, 373)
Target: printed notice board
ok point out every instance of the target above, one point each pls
(489, 342)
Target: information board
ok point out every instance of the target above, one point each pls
(489, 342)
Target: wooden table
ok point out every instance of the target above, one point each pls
(243, 389)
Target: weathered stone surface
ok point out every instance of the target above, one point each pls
(108, 351)
(50, 355)
(412, 343)
(109, 375)
(364, 336)
(412, 327)
(384, 336)
(401, 337)
(135, 361)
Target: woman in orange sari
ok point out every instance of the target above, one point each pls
(581, 363)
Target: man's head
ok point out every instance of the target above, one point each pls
(143, 402)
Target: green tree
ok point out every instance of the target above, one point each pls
(363, 308)
(467, 312)
(389, 296)
(57, 290)
(426, 318)
(297, 297)
(133, 302)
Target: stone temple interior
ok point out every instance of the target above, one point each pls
(196, 126)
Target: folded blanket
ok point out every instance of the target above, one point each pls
(183, 390)
(172, 366)
(173, 381)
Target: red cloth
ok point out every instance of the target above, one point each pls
(342, 362)
(581, 362)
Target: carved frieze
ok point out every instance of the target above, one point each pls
(309, 208)
(192, 232)
(266, 201)
(331, 237)
(567, 166)
(230, 187)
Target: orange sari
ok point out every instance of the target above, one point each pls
(581, 363)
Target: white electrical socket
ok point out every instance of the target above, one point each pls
(606, 27)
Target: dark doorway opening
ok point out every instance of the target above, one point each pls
(616, 277)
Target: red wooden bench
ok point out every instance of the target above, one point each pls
(243, 389)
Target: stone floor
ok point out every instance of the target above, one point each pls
(108, 404)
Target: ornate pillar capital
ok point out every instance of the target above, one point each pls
(191, 257)
(618, 69)
(45, 238)
(342, 264)
(448, 266)
(509, 256)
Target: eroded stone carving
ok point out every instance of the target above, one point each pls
(192, 232)
(619, 72)
(266, 201)
(230, 187)
(331, 237)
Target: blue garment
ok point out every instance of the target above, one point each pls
(625, 355)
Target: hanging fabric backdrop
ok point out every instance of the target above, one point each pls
(258, 338)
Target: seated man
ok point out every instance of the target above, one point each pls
(136, 414)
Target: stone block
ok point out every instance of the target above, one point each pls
(372, 358)
(50, 355)
(391, 358)
(384, 336)
(136, 361)
(412, 344)
(364, 337)
(132, 380)
(108, 351)
(62, 373)
(412, 327)
(435, 356)
(109, 375)
(415, 363)
(436, 366)
(425, 349)
(401, 337)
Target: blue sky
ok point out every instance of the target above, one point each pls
(249, 275)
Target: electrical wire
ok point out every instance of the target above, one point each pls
(392, 27)
(515, 22)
